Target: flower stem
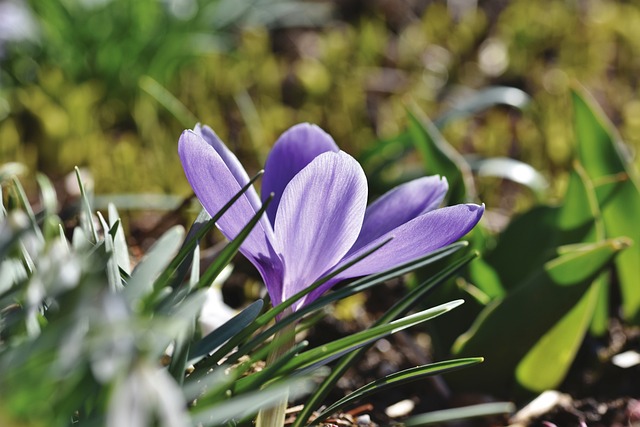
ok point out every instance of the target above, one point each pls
(274, 416)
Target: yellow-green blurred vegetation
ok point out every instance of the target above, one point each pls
(78, 97)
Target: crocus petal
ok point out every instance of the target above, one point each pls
(400, 205)
(214, 185)
(319, 219)
(294, 150)
(415, 238)
(232, 162)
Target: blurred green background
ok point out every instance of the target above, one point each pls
(86, 82)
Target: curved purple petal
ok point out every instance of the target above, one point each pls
(215, 184)
(319, 219)
(294, 150)
(232, 162)
(415, 238)
(400, 205)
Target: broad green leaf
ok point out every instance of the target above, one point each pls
(507, 329)
(549, 360)
(394, 380)
(541, 230)
(536, 231)
(600, 150)
(486, 278)
(441, 158)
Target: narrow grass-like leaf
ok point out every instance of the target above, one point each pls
(49, 219)
(89, 226)
(154, 262)
(250, 403)
(10, 170)
(113, 272)
(178, 365)
(400, 308)
(455, 414)
(230, 328)
(396, 379)
(11, 229)
(486, 98)
(275, 311)
(168, 101)
(255, 381)
(177, 269)
(3, 209)
(195, 269)
(357, 286)
(119, 242)
(24, 201)
(63, 238)
(328, 352)
(511, 169)
(48, 194)
(226, 255)
(301, 294)
(232, 373)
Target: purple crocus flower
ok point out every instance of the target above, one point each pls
(319, 219)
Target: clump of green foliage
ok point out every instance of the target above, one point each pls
(544, 280)
(87, 340)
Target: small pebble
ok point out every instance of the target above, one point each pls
(400, 409)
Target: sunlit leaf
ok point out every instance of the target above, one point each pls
(600, 151)
(528, 312)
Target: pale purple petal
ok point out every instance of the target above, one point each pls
(400, 205)
(214, 185)
(319, 219)
(415, 238)
(232, 162)
(294, 150)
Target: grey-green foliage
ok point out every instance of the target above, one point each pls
(81, 339)
(85, 339)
